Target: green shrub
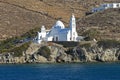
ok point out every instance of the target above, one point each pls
(44, 51)
(86, 45)
(18, 51)
(68, 44)
(7, 44)
(10, 43)
(31, 33)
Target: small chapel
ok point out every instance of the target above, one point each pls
(59, 33)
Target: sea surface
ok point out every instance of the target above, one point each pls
(71, 71)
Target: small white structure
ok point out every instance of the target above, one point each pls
(41, 35)
(59, 32)
(106, 6)
(116, 5)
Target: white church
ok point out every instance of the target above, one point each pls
(106, 6)
(59, 33)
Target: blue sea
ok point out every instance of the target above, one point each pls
(71, 71)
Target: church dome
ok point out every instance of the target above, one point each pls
(59, 24)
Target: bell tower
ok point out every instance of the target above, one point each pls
(73, 27)
(41, 35)
(43, 32)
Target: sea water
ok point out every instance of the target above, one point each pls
(71, 71)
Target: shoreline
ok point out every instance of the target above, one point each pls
(64, 63)
(55, 53)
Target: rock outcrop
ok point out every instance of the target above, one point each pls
(97, 54)
(60, 54)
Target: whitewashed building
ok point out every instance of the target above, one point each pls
(106, 6)
(59, 33)
(116, 5)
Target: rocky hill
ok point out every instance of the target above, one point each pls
(103, 51)
(20, 16)
(106, 22)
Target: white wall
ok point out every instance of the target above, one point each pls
(106, 6)
(50, 38)
(39, 36)
(114, 5)
(68, 36)
(119, 5)
(43, 34)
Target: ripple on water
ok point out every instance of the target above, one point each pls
(74, 71)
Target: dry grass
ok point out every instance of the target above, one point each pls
(19, 16)
(107, 22)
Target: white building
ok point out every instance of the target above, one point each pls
(116, 5)
(106, 6)
(59, 33)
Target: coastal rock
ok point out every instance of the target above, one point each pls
(19, 60)
(60, 54)
(117, 53)
(39, 58)
(108, 55)
(32, 48)
(93, 54)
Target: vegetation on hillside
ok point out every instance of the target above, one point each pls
(31, 33)
(44, 51)
(20, 16)
(91, 34)
(107, 22)
(85, 45)
(11, 43)
(109, 43)
(7, 44)
(18, 51)
(67, 43)
(23, 18)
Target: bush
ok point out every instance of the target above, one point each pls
(109, 43)
(86, 45)
(7, 44)
(44, 51)
(10, 43)
(68, 44)
(18, 51)
(30, 34)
